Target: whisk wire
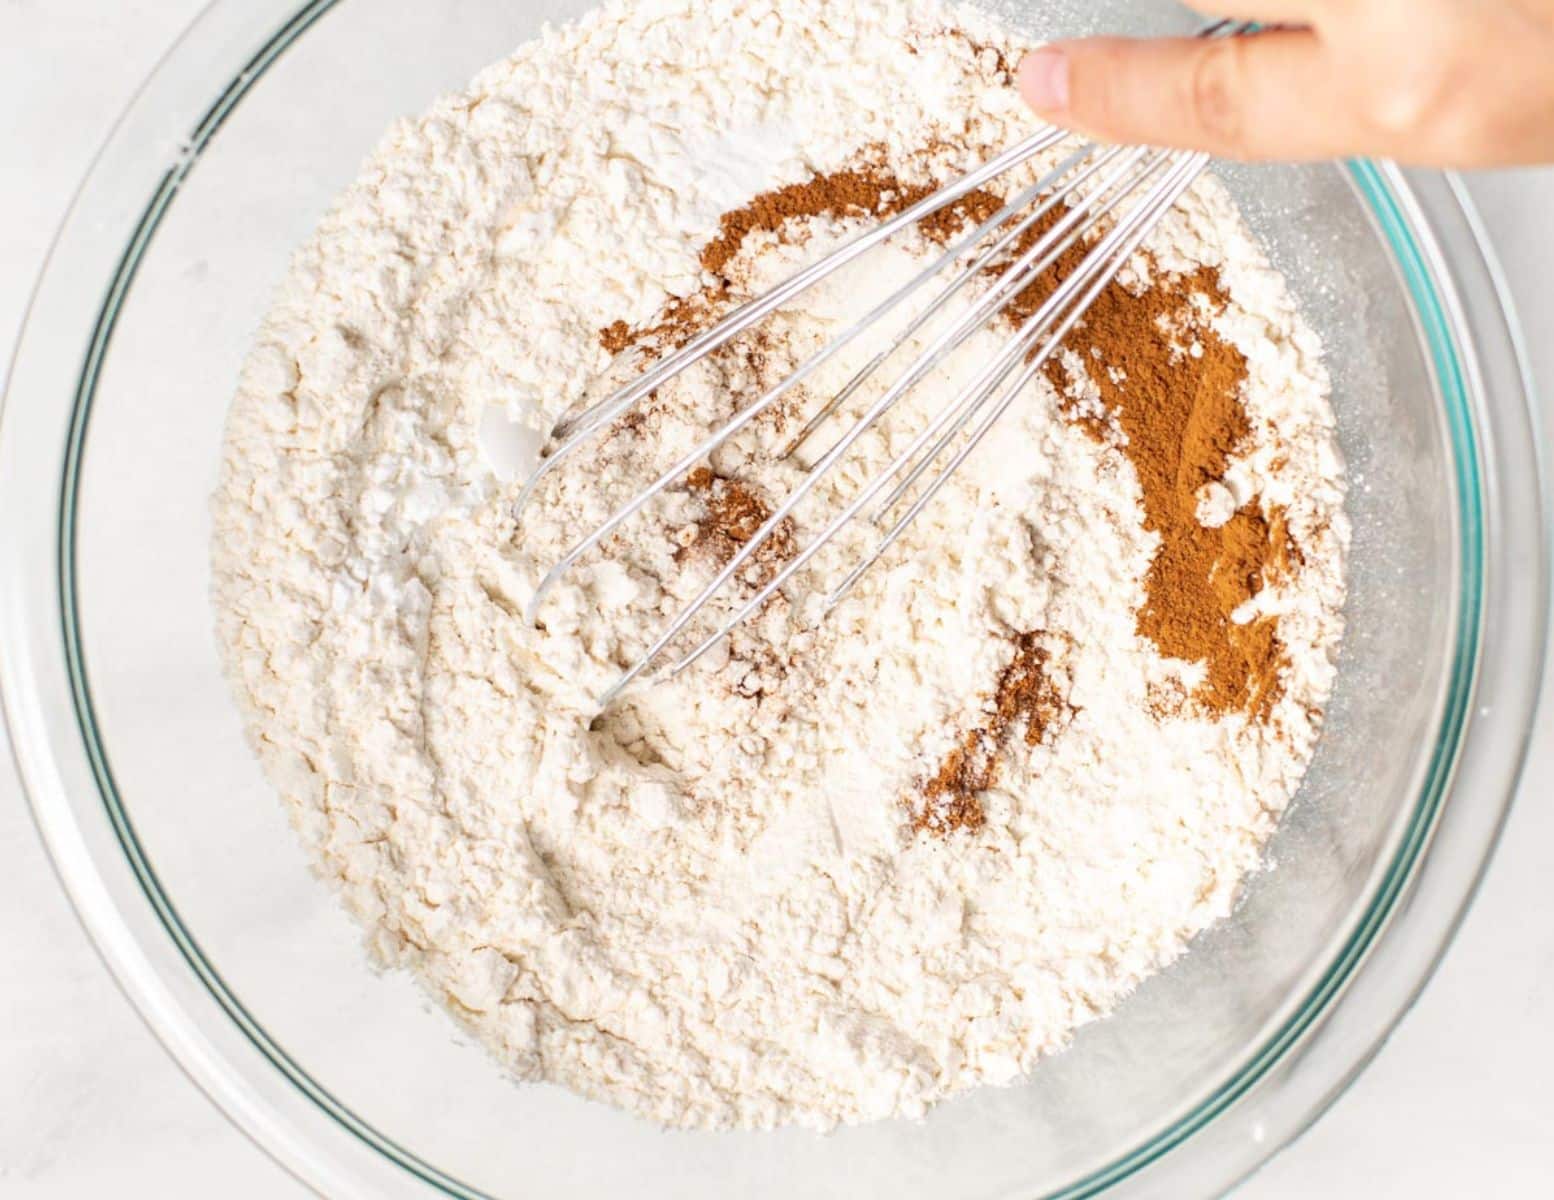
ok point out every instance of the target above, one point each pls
(1009, 284)
(1058, 194)
(1091, 184)
(1097, 270)
(1031, 275)
(1178, 181)
(815, 361)
(576, 430)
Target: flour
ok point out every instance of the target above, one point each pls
(709, 905)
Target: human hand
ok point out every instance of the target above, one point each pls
(1451, 83)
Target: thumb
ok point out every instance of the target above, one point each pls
(1267, 95)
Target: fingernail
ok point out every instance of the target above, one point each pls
(1044, 80)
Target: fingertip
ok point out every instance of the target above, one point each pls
(1043, 80)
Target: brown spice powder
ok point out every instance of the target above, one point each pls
(951, 799)
(677, 322)
(864, 191)
(734, 514)
(1180, 416)
(1004, 63)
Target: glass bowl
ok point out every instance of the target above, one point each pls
(179, 857)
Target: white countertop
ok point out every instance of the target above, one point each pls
(1456, 1104)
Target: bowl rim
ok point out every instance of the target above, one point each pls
(1459, 298)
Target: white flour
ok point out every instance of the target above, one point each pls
(710, 906)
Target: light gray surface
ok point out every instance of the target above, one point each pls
(1456, 1104)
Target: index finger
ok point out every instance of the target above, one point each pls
(1262, 96)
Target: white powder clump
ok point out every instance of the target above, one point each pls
(716, 904)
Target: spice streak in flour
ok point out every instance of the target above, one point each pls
(1176, 414)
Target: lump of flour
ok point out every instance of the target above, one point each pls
(848, 865)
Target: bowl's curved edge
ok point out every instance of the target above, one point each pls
(205, 39)
(1495, 273)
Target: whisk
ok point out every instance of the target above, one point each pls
(1085, 188)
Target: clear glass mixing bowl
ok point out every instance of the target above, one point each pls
(179, 858)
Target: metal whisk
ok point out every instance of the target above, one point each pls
(1086, 187)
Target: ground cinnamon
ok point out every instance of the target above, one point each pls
(1175, 413)
(1181, 419)
(862, 191)
(1027, 696)
(733, 515)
